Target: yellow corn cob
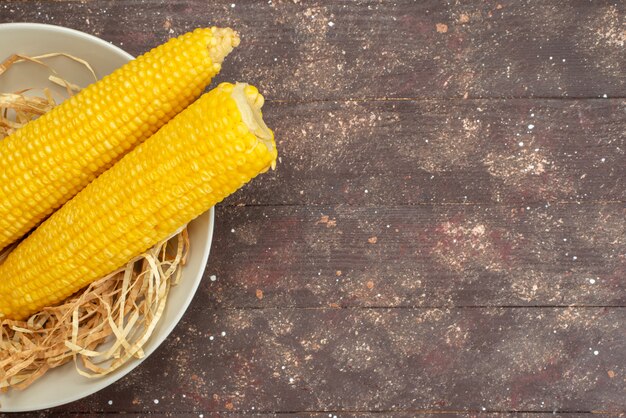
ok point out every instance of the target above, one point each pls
(48, 161)
(201, 156)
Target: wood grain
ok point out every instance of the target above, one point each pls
(384, 360)
(313, 50)
(461, 151)
(451, 255)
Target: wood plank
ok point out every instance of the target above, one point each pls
(451, 255)
(339, 360)
(297, 50)
(478, 151)
(329, 414)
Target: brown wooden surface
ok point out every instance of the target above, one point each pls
(383, 360)
(424, 256)
(445, 151)
(445, 233)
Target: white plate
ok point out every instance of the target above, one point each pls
(64, 385)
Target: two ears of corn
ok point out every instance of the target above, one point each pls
(121, 166)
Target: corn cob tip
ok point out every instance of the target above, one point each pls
(223, 42)
(249, 103)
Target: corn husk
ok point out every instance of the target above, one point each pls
(104, 325)
(121, 310)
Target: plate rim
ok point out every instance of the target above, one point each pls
(70, 31)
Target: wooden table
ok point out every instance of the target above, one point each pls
(446, 229)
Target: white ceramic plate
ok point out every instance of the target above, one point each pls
(64, 385)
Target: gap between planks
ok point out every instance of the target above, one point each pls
(443, 99)
(424, 204)
(347, 411)
(405, 307)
